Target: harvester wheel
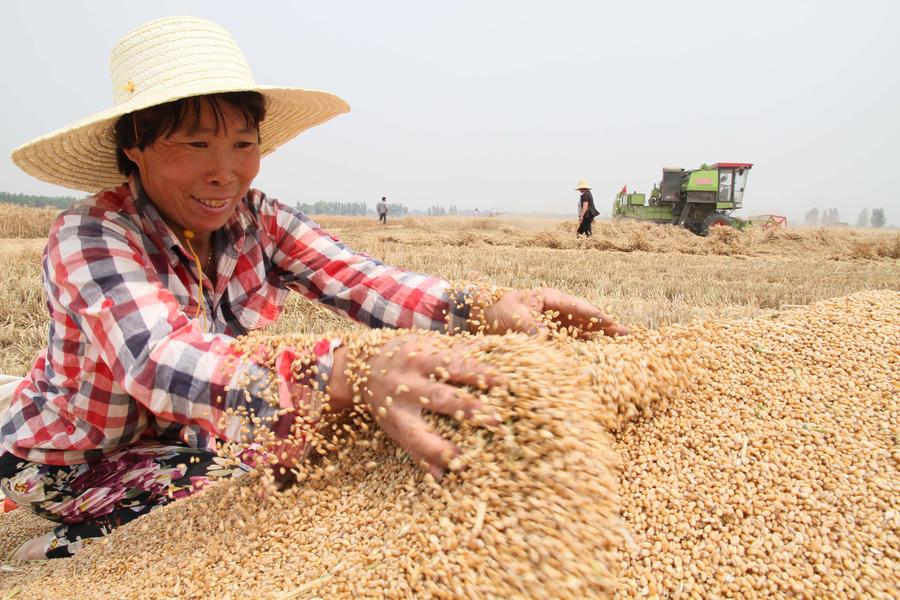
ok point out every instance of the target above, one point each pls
(715, 220)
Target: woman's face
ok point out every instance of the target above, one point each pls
(196, 178)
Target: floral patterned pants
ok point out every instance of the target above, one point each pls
(90, 500)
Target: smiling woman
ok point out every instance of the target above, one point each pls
(196, 158)
(150, 280)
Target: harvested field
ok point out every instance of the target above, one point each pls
(756, 439)
(621, 236)
(654, 286)
(25, 222)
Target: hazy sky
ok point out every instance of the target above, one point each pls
(508, 104)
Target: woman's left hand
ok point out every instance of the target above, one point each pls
(519, 310)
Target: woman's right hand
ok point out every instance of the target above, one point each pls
(411, 374)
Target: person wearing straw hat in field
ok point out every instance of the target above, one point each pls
(150, 280)
(586, 210)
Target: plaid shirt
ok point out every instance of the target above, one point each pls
(127, 358)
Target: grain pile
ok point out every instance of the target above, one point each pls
(773, 472)
(16, 528)
(776, 474)
(634, 377)
(532, 512)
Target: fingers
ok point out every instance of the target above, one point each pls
(515, 311)
(571, 307)
(580, 313)
(521, 311)
(428, 449)
(449, 400)
(603, 323)
(420, 357)
(453, 366)
(417, 374)
(617, 330)
(529, 323)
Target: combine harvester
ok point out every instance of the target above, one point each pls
(695, 199)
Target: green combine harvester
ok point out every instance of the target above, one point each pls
(697, 199)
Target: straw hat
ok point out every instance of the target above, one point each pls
(583, 185)
(161, 61)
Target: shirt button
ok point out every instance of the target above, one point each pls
(70, 429)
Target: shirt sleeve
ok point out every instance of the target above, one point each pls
(95, 273)
(322, 268)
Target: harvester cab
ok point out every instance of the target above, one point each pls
(732, 181)
(709, 195)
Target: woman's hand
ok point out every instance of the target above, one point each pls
(411, 374)
(519, 311)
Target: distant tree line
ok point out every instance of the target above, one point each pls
(347, 209)
(333, 208)
(830, 216)
(440, 211)
(396, 209)
(875, 219)
(60, 202)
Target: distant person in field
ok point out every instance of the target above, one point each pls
(586, 210)
(150, 280)
(383, 210)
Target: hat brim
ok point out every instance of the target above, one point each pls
(82, 155)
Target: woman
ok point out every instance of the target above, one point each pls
(150, 280)
(586, 209)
